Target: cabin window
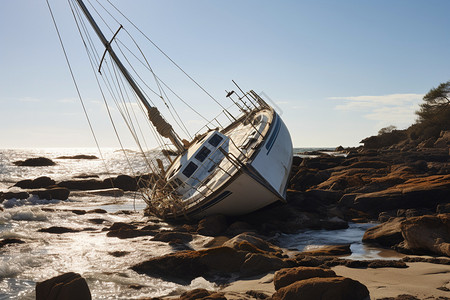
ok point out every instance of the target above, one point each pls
(190, 169)
(215, 140)
(203, 154)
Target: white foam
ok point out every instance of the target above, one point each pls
(8, 269)
(32, 200)
(202, 283)
(29, 214)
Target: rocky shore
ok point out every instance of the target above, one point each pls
(404, 188)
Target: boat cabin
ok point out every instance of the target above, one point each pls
(198, 162)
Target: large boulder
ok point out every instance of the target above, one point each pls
(285, 277)
(324, 288)
(386, 234)
(68, 286)
(427, 234)
(184, 266)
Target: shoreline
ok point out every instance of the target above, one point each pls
(326, 192)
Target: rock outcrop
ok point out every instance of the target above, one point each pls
(35, 162)
(68, 286)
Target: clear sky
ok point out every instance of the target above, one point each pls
(338, 70)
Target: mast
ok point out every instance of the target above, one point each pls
(161, 125)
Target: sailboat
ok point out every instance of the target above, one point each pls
(231, 169)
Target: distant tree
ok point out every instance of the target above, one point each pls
(437, 104)
(387, 129)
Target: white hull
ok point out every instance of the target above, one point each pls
(262, 182)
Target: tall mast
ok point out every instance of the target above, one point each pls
(163, 128)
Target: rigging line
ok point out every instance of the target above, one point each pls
(161, 90)
(172, 61)
(159, 86)
(132, 128)
(91, 56)
(134, 113)
(145, 84)
(160, 80)
(75, 83)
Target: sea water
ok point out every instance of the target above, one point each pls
(88, 252)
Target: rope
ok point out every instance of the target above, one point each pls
(167, 56)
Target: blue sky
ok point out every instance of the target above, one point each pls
(338, 70)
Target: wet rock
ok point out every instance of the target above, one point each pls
(97, 221)
(97, 211)
(285, 277)
(387, 234)
(212, 225)
(250, 243)
(332, 250)
(84, 185)
(202, 294)
(80, 156)
(125, 182)
(40, 182)
(13, 195)
(119, 253)
(68, 286)
(9, 241)
(127, 231)
(184, 266)
(58, 230)
(35, 162)
(325, 288)
(257, 263)
(57, 193)
(169, 236)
